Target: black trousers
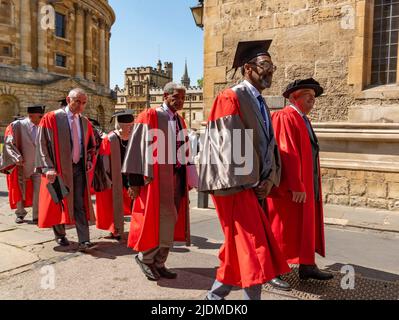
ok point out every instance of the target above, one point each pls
(82, 225)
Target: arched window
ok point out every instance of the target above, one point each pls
(8, 109)
(6, 12)
(385, 42)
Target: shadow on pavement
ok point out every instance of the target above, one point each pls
(344, 286)
(202, 243)
(196, 283)
(100, 250)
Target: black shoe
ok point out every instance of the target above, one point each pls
(115, 237)
(63, 241)
(313, 272)
(83, 246)
(19, 220)
(149, 270)
(280, 284)
(166, 273)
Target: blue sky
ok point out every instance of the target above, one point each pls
(148, 29)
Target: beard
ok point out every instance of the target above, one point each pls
(265, 82)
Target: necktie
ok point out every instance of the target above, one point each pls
(308, 126)
(75, 141)
(34, 133)
(262, 109)
(178, 142)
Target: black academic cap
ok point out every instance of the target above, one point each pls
(247, 50)
(123, 116)
(63, 102)
(309, 83)
(38, 108)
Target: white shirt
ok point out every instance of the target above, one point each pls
(296, 109)
(255, 92)
(171, 121)
(77, 119)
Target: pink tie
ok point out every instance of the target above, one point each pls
(75, 141)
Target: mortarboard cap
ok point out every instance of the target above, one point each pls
(124, 116)
(38, 108)
(247, 50)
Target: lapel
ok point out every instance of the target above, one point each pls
(312, 137)
(254, 107)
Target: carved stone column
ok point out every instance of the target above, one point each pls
(79, 41)
(41, 38)
(25, 29)
(88, 45)
(102, 64)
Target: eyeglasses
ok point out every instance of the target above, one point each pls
(265, 65)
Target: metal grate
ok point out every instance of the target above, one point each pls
(365, 289)
(385, 42)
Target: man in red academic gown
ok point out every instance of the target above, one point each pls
(156, 161)
(240, 123)
(112, 200)
(64, 156)
(18, 162)
(296, 208)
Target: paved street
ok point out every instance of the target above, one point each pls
(30, 257)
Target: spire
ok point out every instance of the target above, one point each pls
(185, 80)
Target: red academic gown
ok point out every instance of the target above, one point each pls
(14, 189)
(104, 199)
(50, 213)
(298, 228)
(250, 255)
(144, 226)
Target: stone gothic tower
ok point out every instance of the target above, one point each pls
(185, 80)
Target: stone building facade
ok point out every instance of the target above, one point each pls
(50, 47)
(351, 48)
(144, 89)
(138, 81)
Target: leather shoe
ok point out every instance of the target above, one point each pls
(149, 270)
(85, 246)
(280, 284)
(166, 273)
(19, 220)
(63, 241)
(313, 272)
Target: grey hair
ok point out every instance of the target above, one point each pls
(74, 93)
(117, 125)
(170, 87)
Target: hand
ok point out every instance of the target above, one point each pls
(299, 197)
(133, 192)
(20, 162)
(51, 175)
(263, 189)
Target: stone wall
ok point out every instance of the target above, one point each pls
(361, 188)
(331, 41)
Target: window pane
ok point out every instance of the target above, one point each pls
(385, 42)
(392, 77)
(59, 25)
